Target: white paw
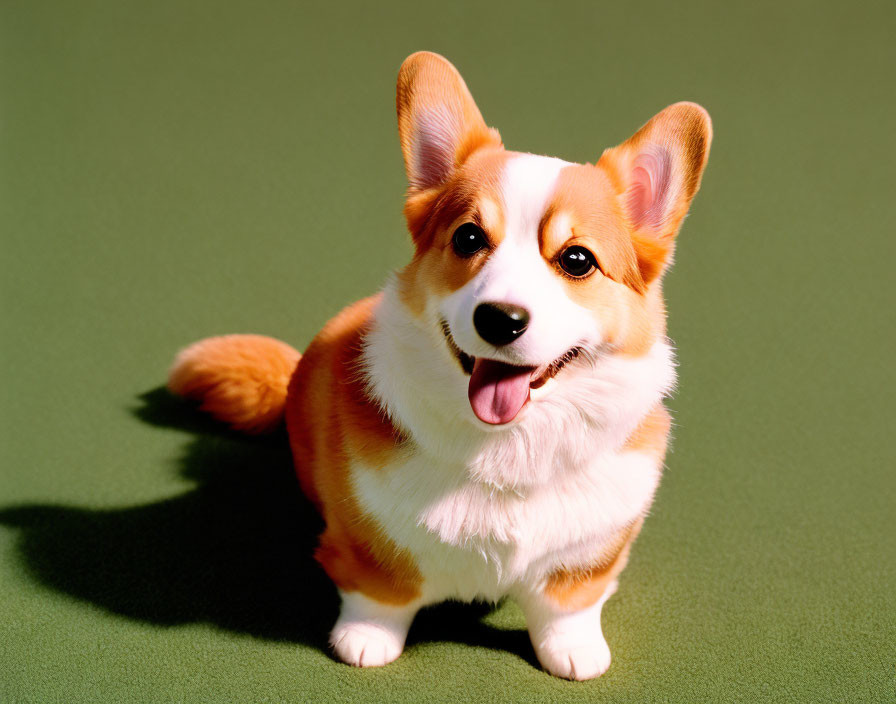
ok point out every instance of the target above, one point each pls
(574, 661)
(366, 644)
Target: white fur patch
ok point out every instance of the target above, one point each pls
(527, 184)
(473, 541)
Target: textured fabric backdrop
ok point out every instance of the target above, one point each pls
(172, 170)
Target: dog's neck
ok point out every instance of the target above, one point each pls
(592, 409)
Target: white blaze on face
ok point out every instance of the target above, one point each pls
(517, 273)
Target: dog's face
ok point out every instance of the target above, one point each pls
(527, 267)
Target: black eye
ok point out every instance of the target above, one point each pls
(577, 261)
(468, 239)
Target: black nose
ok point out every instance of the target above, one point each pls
(500, 323)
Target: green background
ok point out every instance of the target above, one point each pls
(177, 169)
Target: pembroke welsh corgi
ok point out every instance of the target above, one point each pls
(491, 424)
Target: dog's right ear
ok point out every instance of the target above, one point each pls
(438, 121)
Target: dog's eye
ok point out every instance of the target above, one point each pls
(468, 239)
(577, 261)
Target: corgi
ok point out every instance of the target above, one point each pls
(491, 424)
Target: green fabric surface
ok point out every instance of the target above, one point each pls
(173, 170)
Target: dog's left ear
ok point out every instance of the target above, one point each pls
(658, 171)
(438, 121)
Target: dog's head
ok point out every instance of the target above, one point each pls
(529, 266)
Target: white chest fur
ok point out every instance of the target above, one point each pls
(474, 541)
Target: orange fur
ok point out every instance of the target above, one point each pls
(652, 435)
(572, 590)
(240, 379)
(585, 205)
(471, 195)
(332, 423)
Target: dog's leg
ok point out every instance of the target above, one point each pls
(369, 633)
(568, 644)
(563, 614)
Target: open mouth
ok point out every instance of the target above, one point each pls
(498, 391)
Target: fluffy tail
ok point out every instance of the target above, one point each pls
(240, 379)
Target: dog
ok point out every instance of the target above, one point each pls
(490, 424)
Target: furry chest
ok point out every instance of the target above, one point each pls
(473, 541)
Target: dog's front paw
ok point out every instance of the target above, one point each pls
(366, 644)
(368, 633)
(574, 661)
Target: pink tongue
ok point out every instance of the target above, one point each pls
(498, 391)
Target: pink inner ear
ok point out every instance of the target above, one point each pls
(649, 185)
(434, 143)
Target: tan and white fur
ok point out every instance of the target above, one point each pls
(439, 473)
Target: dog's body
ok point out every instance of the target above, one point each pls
(491, 424)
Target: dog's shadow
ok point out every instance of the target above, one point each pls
(235, 551)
